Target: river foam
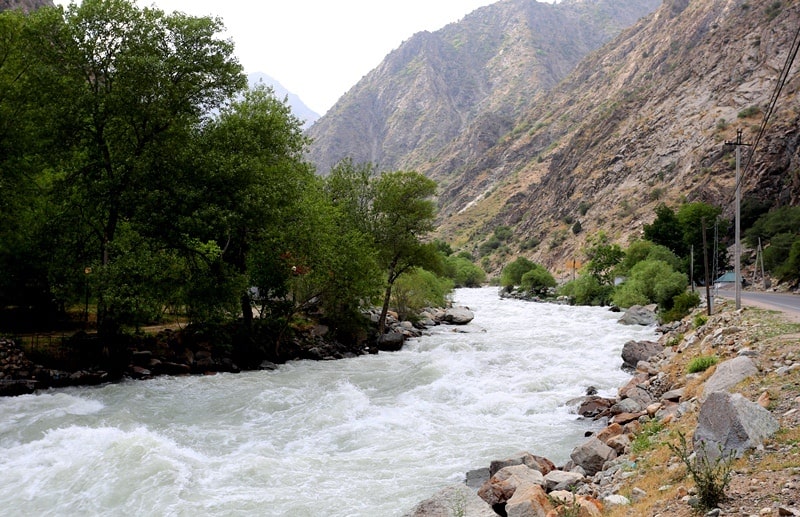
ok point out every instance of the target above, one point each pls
(368, 436)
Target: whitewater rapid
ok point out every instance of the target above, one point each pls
(363, 437)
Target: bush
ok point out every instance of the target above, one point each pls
(538, 280)
(587, 290)
(418, 289)
(512, 273)
(711, 477)
(702, 363)
(463, 272)
(651, 281)
(699, 320)
(682, 305)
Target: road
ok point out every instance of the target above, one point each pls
(786, 303)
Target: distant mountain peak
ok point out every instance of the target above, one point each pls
(300, 110)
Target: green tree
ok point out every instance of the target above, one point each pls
(538, 280)
(121, 90)
(587, 290)
(511, 275)
(651, 281)
(463, 271)
(666, 230)
(603, 257)
(418, 288)
(402, 215)
(641, 250)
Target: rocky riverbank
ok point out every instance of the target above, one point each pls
(82, 360)
(747, 405)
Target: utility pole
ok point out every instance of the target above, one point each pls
(709, 299)
(738, 246)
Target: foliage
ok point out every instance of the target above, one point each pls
(587, 290)
(651, 281)
(711, 476)
(463, 272)
(702, 363)
(512, 273)
(641, 250)
(537, 280)
(666, 230)
(682, 305)
(417, 289)
(503, 233)
(643, 440)
(603, 259)
(699, 320)
(779, 232)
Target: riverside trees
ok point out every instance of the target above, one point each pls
(138, 173)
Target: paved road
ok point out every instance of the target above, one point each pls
(787, 303)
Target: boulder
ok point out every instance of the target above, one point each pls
(595, 406)
(452, 500)
(562, 480)
(635, 351)
(591, 455)
(539, 463)
(728, 374)
(391, 342)
(458, 315)
(729, 423)
(502, 486)
(12, 388)
(529, 501)
(638, 315)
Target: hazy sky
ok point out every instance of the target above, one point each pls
(318, 49)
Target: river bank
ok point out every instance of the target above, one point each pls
(638, 472)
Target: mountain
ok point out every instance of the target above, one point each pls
(639, 122)
(300, 110)
(474, 77)
(25, 5)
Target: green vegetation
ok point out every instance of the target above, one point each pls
(139, 177)
(710, 476)
(699, 320)
(702, 363)
(644, 438)
(779, 232)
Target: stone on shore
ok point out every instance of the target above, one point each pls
(635, 351)
(502, 486)
(539, 463)
(728, 374)
(458, 315)
(453, 500)
(729, 423)
(639, 315)
(591, 455)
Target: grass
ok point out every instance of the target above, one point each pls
(702, 363)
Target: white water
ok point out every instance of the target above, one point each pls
(364, 437)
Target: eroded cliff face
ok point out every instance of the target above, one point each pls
(24, 5)
(471, 77)
(639, 122)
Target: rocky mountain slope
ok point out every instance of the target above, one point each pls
(25, 5)
(299, 108)
(474, 77)
(639, 122)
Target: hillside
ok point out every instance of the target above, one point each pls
(25, 5)
(639, 122)
(474, 76)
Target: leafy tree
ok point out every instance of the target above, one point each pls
(417, 289)
(463, 271)
(666, 230)
(403, 213)
(587, 290)
(512, 274)
(651, 281)
(782, 220)
(120, 90)
(641, 250)
(603, 259)
(538, 280)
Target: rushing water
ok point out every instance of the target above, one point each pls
(369, 436)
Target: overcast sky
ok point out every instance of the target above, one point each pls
(318, 49)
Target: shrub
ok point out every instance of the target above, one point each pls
(710, 476)
(538, 280)
(682, 305)
(749, 112)
(587, 290)
(699, 320)
(702, 363)
(512, 273)
(651, 281)
(418, 289)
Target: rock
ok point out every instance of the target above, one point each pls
(502, 486)
(635, 351)
(595, 406)
(674, 395)
(13, 388)
(638, 315)
(561, 480)
(538, 463)
(609, 432)
(619, 443)
(616, 500)
(592, 455)
(476, 478)
(627, 406)
(391, 342)
(530, 501)
(453, 500)
(731, 423)
(458, 315)
(728, 374)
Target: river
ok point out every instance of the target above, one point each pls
(363, 437)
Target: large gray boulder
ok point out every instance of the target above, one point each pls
(562, 480)
(728, 374)
(635, 351)
(729, 423)
(458, 315)
(502, 486)
(639, 315)
(539, 463)
(591, 455)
